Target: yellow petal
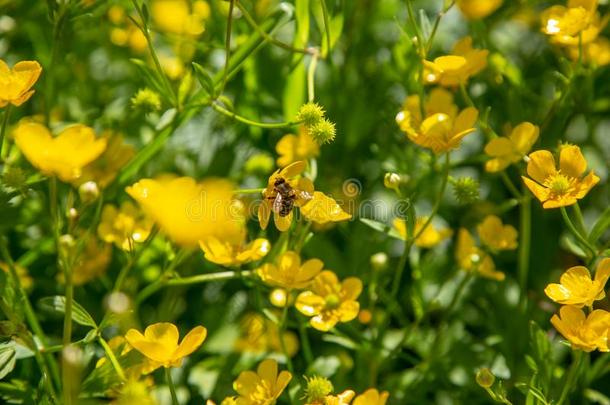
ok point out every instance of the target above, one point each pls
(294, 169)
(164, 333)
(282, 223)
(541, 165)
(309, 304)
(524, 136)
(541, 193)
(571, 161)
(191, 342)
(323, 209)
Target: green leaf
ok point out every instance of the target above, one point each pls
(381, 227)
(151, 77)
(8, 359)
(204, 78)
(602, 224)
(57, 304)
(294, 91)
(104, 377)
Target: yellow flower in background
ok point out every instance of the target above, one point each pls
(187, 211)
(24, 276)
(443, 128)
(227, 252)
(596, 53)
(505, 151)
(455, 69)
(91, 264)
(173, 66)
(134, 392)
(177, 16)
(63, 156)
(584, 332)
(125, 32)
(428, 238)
(159, 343)
(344, 398)
(577, 23)
(471, 258)
(497, 236)
(226, 401)
(577, 288)
(292, 148)
(372, 397)
(559, 187)
(263, 387)
(329, 301)
(477, 9)
(16, 83)
(124, 227)
(293, 190)
(289, 272)
(104, 169)
(260, 335)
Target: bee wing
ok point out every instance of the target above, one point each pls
(277, 203)
(304, 195)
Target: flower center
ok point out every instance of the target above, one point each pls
(332, 301)
(558, 183)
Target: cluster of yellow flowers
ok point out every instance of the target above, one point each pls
(586, 331)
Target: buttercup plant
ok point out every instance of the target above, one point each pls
(167, 164)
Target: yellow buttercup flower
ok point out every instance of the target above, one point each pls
(104, 169)
(505, 151)
(428, 238)
(189, 212)
(289, 272)
(159, 343)
(372, 397)
(330, 301)
(134, 392)
(260, 335)
(63, 156)
(292, 148)
(559, 187)
(455, 69)
(472, 258)
(118, 344)
(24, 276)
(91, 264)
(177, 17)
(263, 387)
(443, 128)
(227, 252)
(577, 288)
(344, 398)
(497, 236)
(124, 227)
(323, 210)
(577, 23)
(584, 332)
(16, 83)
(477, 9)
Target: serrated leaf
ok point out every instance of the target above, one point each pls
(57, 304)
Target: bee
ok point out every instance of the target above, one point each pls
(283, 202)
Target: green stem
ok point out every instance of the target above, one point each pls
(437, 21)
(249, 191)
(580, 221)
(5, 119)
(69, 294)
(170, 383)
(307, 353)
(311, 74)
(153, 53)
(248, 121)
(205, 278)
(572, 376)
(225, 74)
(133, 260)
(113, 360)
(510, 185)
(250, 20)
(525, 231)
(580, 238)
(282, 330)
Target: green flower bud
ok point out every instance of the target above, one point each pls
(317, 388)
(310, 114)
(466, 190)
(379, 261)
(485, 378)
(323, 132)
(88, 192)
(147, 100)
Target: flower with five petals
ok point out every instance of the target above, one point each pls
(577, 288)
(584, 332)
(455, 69)
(16, 83)
(159, 343)
(289, 272)
(263, 387)
(497, 236)
(510, 149)
(559, 187)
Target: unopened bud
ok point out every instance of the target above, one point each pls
(379, 261)
(485, 378)
(392, 181)
(88, 192)
(310, 114)
(147, 100)
(466, 190)
(317, 389)
(323, 132)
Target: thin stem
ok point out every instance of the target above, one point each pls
(250, 20)
(282, 330)
(510, 185)
(205, 278)
(248, 121)
(249, 191)
(153, 53)
(437, 21)
(113, 360)
(572, 376)
(225, 74)
(525, 231)
(133, 260)
(170, 383)
(307, 353)
(580, 238)
(580, 221)
(5, 119)
(326, 25)
(69, 294)
(311, 73)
